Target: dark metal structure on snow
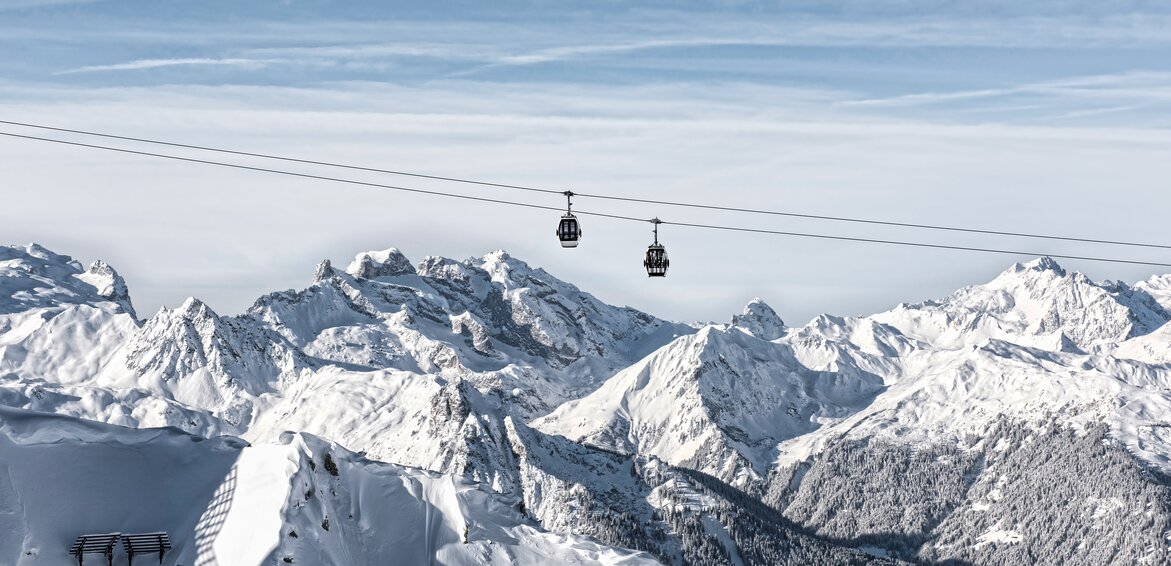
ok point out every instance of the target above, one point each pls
(95, 544)
(135, 544)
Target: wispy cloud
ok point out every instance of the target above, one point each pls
(934, 97)
(25, 4)
(572, 51)
(502, 54)
(158, 63)
(376, 50)
(499, 46)
(1090, 112)
(569, 52)
(1129, 85)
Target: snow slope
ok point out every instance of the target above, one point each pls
(59, 321)
(718, 401)
(415, 419)
(224, 502)
(1033, 344)
(1034, 304)
(494, 316)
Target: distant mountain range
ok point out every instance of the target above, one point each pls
(1025, 420)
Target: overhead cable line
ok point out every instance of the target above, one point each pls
(553, 208)
(876, 222)
(905, 243)
(604, 196)
(307, 175)
(283, 158)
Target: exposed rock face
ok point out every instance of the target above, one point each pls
(385, 263)
(109, 284)
(324, 271)
(761, 320)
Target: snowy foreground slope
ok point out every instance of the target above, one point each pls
(301, 500)
(1024, 420)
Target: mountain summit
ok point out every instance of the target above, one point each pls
(1038, 304)
(760, 320)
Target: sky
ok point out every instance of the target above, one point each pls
(1045, 117)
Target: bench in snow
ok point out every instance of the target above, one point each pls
(146, 543)
(95, 544)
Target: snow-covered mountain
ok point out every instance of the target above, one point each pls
(58, 320)
(1035, 304)
(299, 500)
(719, 401)
(1035, 343)
(885, 437)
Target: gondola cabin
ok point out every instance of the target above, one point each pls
(569, 231)
(656, 262)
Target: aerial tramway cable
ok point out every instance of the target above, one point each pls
(290, 173)
(982, 231)
(282, 158)
(654, 221)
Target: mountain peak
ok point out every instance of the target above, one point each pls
(58, 280)
(500, 266)
(760, 320)
(498, 258)
(1035, 304)
(324, 271)
(1043, 263)
(385, 263)
(35, 250)
(193, 309)
(109, 284)
(1033, 276)
(1159, 287)
(37, 258)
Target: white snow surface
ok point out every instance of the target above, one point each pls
(1035, 343)
(224, 502)
(718, 401)
(999, 536)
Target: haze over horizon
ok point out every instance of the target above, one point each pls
(1047, 118)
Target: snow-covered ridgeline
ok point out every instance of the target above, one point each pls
(444, 365)
(728, 400)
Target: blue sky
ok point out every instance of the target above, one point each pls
(1041, 116)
